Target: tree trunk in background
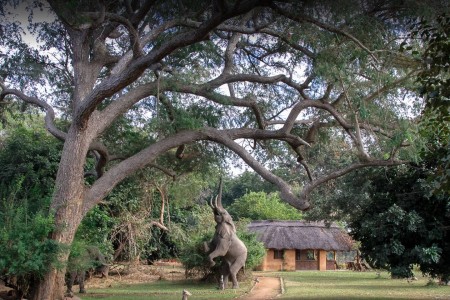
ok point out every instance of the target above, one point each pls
(67, 206)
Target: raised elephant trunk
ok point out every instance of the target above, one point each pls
(225, 242)
(219, 195)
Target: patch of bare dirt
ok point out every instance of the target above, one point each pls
(135, 274)
(266, 288)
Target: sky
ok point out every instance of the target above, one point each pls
(21, 13)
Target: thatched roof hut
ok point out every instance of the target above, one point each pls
(301, 235)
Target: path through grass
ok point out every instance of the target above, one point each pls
(336, 285)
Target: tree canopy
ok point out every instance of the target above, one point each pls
(404, 224)
(260, 206)
(319, 88)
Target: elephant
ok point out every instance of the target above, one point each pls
(225, 243)
(89, 262)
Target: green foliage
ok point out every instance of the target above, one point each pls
(434, 87)
(95, 230)
(187, 190)
(79, 258)
(161, 244)
(193, 258)
(198, 228)
(406, 211)
(435, 77)
(27, 253)
(402, 224)
(31, 156)
(246, 182)
(262, 206)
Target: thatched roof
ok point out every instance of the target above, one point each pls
(301, 235)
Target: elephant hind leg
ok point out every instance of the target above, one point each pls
(234, 269)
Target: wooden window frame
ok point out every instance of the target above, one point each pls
(334, 255)
(314, 255)
(278, 254)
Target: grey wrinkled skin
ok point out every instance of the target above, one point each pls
(226, 243)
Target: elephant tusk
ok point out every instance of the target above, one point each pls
(211, 203)
(215, 201)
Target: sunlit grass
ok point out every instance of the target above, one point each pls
(164, 290)
(315, 285)
(356, 285)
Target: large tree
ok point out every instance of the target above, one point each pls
(270, 81)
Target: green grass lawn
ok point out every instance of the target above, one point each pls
(356, 285)
(164, 290)
(298, 285)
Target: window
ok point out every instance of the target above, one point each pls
(278, 254)
(298, 254)
(311, 255)
(331, 255)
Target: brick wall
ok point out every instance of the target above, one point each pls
(289, 262)
(270, 263)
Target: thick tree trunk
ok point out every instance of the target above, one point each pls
(67, 205)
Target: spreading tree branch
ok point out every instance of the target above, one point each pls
(305, 193)
(137, 66)
(49, 112)
(298, 17)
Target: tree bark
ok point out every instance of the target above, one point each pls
(67, 207)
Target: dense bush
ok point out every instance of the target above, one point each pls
(27, 254)
(28, 160)
(31, 157)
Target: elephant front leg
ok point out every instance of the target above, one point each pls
(225, 273)
(221, 249)
(211, 257)
(214, 254)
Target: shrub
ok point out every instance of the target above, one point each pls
(27, 254)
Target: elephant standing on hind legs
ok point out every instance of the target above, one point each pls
(226, 243)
